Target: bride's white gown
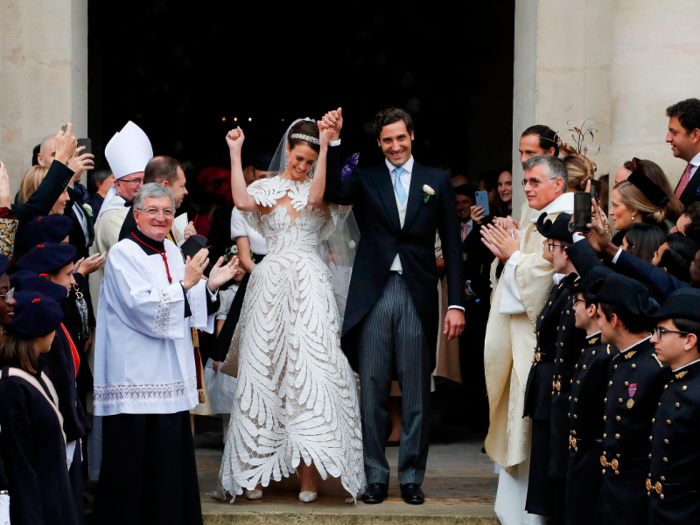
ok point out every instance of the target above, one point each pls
(296, 397)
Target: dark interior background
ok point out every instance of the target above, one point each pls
(179, 72)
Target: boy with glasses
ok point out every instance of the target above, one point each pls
(674, 483)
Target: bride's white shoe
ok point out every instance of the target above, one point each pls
(253, 494)
(307, 496)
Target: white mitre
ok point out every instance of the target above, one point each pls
(129, 151)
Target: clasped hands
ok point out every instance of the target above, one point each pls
(219, 274)
(501, 237)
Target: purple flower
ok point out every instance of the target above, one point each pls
(350, 165)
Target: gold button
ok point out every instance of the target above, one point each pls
(627, 383)
(685, 388)
(662, 496)
(550, 303)
(569, 398)
(578, 382)
(610, 383)
(617, 436)
(650, 438)
(663, 478)
(653, 420)
(563, 327)
(634, 366)
(668, 421)
(605, 418)
(561, 360)
(666, 387)
(605, 400)
(603, 471)
(666, 441)
(617, 472)
(666, 460)
(584, 367)
(575, 416)
(604, 436)
(618, 418)
(615, 367)
(620, 400)
(678, 405)
(593, 352)
(568, 312)
(562, 344)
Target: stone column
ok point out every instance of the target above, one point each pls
(43, 75)
(563, 56)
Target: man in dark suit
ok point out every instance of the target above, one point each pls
(391, 318)
(684, 138)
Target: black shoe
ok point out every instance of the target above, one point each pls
(412, 494)
(375, 493)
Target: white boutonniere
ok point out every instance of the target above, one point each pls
(428, 193)
(88, 209)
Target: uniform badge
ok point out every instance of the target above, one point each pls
(593, 341)
(681, 375)
(631, 390)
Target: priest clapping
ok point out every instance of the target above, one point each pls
(145, 372)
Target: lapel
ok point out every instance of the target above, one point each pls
(419, 177)
(382, 182)
(688, 195)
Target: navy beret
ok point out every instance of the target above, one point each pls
(47, 258)
(596, 274)
(557, 229)
(683, 303)
(43, 229)
(25, 281)
(623, 292)
(35, 315)
(4, 263)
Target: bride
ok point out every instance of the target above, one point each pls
(295, 407)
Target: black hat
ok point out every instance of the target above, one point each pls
(651, 191)
(47, 258)
(583, 284)
(35, 315)
(4, 263)
(192, 245)
(625, 293)
(557, 230)
(25, 281)
(46, 228)
(681, 304)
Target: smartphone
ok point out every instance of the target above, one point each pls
(87, 143)
(64, 127)
(595, 189)
(582, 211)
(482, 199)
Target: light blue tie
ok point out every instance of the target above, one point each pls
(398, 187)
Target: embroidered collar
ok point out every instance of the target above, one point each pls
(593, 338)
(635, 344)
(697, 361)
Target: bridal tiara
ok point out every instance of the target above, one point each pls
(307, 138)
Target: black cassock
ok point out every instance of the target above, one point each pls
(34, 455)
(675, 452)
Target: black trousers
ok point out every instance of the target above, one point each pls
(149, 474)
(584, 478)
(623, 497)
(541, 488)
(392, 337)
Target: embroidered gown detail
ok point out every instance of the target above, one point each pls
(296, 397)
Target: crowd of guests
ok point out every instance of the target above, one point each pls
(607, 398)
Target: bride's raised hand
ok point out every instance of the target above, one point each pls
(235, 138)
(334, 120)
(325, 133)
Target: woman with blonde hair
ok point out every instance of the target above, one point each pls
(31, 181)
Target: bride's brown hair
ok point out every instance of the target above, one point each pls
(305, 127)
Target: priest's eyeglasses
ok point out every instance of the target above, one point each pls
(8, 295)
(534, 183)
(659, 332)
(154, 213)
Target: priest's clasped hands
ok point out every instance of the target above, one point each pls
(219, 274)
(501, 237)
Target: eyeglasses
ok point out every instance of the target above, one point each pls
(577, 301)
(659, 332)
(131, 182)
(551, 246)
(534, 183)
(9, 295)
(154, 213)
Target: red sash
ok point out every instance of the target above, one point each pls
(74, 351)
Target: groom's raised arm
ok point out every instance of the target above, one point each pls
(338, 190)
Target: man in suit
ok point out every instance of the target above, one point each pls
(684, 138)
(391, 318)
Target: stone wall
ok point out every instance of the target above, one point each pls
(43, 75)
(619, 63)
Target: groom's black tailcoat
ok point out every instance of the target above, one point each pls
(371, 193)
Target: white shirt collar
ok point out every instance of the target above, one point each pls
(695, 161)
(592, 335)
(563, 203)
(408, 166)
(558, 277)
(685, 366)
(635, 344)
(470, 223)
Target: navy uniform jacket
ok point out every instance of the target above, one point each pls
(59, 366)
(586, 426)
(538, 392)
(570, 340)
(636, 381)
(675, 452)
(371, 193)
(34, 455)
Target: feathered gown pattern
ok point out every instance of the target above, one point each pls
(296, 397)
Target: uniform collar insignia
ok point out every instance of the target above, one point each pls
(628, 355)
(593, 341)
(681, 375)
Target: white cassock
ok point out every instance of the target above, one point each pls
(508, 351)
(144, 362)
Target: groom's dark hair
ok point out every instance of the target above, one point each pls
(391, 115)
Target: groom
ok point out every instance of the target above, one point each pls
(391, 319)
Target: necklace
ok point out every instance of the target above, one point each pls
(162, 254)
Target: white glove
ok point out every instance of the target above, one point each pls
(4, 509)
(70, 452)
